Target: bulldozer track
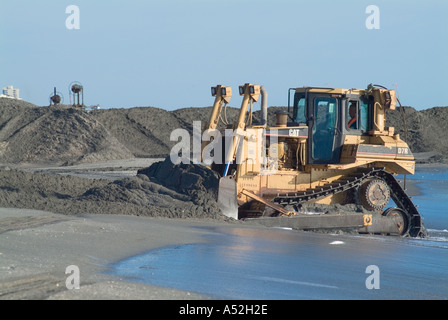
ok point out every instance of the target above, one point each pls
(398, 195)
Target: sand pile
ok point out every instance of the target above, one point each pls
(58, 134)
(65, 135)
(146, 131)
(197, 182)
(164, 189)
(190, 193)
(425, 130)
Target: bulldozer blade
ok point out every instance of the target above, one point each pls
(227, 197)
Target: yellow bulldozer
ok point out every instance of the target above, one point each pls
(330, 146)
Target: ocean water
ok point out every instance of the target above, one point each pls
(433, 200)
(280, 264)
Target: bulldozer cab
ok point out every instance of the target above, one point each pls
(330, 115)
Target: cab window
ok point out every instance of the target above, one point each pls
(364, 116)
(352, 113)
(325, 116)
(299, 109)
(357, 116)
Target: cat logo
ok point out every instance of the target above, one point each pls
(293, 132)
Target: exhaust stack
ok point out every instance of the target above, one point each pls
(264, 106)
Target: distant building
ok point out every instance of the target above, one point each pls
(10, 92)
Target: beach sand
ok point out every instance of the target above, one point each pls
(36, 247)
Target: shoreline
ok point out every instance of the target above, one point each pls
(411, 185)
(38, 246)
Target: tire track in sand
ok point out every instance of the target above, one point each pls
(19, 223)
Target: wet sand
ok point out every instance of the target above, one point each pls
(36, 247)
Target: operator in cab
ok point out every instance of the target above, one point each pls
(353, 122)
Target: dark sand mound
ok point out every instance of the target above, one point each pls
(197, 182)
(193, 196)
(425, 132)
(57, 134)
(181, 191)
(146, 131)
(65, 135)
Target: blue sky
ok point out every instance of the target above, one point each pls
(169, 53)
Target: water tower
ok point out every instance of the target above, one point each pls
(77, 90)
(56, 98)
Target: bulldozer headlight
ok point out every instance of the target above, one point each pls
(214, 91)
